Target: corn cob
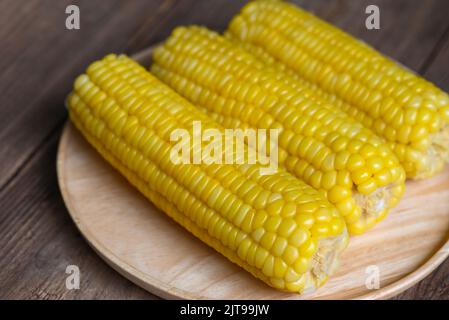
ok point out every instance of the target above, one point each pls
(321, 146)
(411, 114)
(274, 226)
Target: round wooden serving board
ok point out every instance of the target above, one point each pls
(150, 249)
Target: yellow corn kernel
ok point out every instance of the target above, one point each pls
(301, 265)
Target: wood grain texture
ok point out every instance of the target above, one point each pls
(147, 247)
(40, 58)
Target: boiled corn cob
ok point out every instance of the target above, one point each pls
(349, 164)
(409, 112)
(274, 226)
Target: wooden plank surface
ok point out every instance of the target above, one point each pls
(40, 58)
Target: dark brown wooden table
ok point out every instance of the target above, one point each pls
(39, 60)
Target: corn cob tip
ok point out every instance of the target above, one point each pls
(435, 157)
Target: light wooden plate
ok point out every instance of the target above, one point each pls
(151, 250)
